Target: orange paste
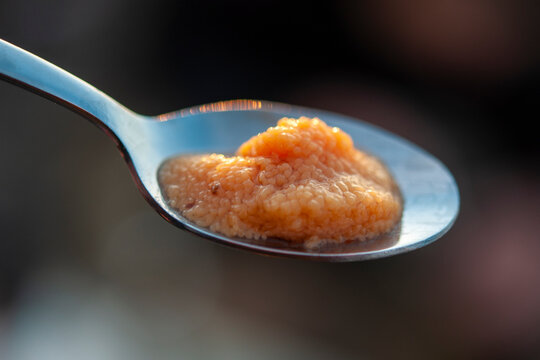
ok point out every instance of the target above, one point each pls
(300, 181)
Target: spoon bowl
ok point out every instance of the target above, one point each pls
(430, 194)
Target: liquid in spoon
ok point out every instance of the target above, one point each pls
(300, 181)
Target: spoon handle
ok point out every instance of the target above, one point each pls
(28, 71)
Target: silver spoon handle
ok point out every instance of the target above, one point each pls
(24, 69)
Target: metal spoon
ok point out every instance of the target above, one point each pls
(431, 198)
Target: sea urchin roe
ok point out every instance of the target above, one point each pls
(301, 181)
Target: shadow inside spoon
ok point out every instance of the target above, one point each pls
(380, 242)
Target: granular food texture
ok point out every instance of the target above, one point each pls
(300, 181)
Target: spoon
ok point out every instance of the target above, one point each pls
(430, 194)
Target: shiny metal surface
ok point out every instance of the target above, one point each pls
(431, 198)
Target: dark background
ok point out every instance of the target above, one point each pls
(89, 271)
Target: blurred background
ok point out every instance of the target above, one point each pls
(89, 271)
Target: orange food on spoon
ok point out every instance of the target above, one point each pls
(300, 181)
